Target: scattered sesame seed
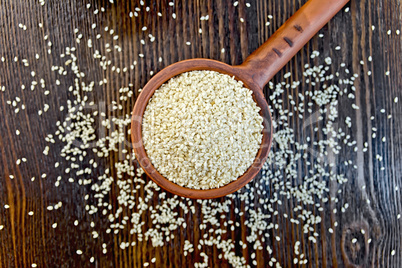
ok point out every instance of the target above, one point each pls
(326, 96)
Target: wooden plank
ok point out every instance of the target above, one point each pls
(27, 239)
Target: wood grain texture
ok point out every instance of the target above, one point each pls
(31, 239)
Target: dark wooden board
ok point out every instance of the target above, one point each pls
(28, 239)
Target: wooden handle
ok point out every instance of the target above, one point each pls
(269, 58)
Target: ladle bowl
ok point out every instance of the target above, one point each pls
(255, 73)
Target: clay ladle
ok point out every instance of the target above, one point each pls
(255, 73)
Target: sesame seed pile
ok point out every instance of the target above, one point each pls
(301, 172)
(202, 129)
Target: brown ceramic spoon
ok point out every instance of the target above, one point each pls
(255, 73)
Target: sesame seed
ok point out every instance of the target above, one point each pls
(326, 90)
(207, 107)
